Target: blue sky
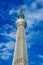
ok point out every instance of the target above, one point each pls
(33, 11)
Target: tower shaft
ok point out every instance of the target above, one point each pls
(20, 57)
(20, 54)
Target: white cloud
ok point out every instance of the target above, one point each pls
(32, 63)
(33, 6)
(39, 2)
(5, 55)
(12, 30)
(12, 11)
(12, 34)
(29, 39)
(10, 45)
(36, 15)
(6, 26)
(32, 34)
(33, 17)
(40, 56)
(1, 44)
(6, 51)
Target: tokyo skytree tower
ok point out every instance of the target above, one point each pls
(20, 53)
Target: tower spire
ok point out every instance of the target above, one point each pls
(21, 13)
(20, 9)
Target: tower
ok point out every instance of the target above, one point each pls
(20, 54)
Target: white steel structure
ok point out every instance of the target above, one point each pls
(20, 54)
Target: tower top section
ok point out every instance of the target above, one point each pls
(21, 14)
(21, 20)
